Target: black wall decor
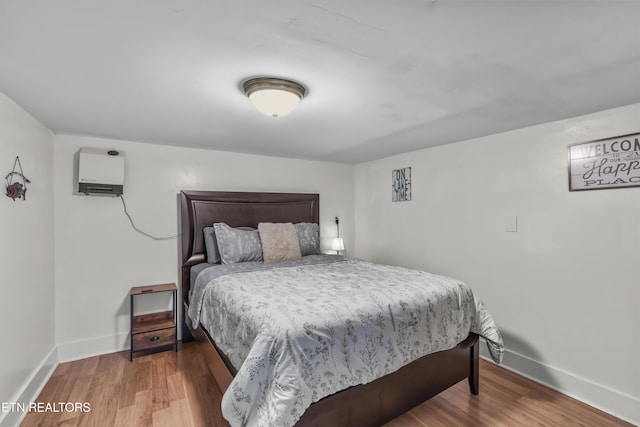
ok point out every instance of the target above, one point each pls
(16, 189)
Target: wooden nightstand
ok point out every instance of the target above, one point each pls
(153, 331)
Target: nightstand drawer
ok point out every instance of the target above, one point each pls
(155, 330)
(153, 339)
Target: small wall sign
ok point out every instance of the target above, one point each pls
(401, 185)
(605, 163)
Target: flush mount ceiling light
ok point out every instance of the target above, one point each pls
(274, 96)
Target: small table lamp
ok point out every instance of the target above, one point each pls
(337, 244)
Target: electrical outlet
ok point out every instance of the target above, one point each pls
(511, 223)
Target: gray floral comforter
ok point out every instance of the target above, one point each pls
(302, 331)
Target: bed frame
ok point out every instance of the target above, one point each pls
(371, 404)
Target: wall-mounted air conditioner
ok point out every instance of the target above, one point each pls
(99, 172)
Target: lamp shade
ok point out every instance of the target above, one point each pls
(337, 244)
(274, 97)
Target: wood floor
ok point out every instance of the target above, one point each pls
(176, 389)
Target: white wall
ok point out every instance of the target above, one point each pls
(26, 259)
(98, 255)
(564, 288)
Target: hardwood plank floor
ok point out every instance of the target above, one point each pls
(177, 389)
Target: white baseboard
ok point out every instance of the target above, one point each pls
(31, 389)
(81, 349)
(616, 403)
(76, 350)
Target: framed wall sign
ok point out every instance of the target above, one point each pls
(401, 185)
(605, 163)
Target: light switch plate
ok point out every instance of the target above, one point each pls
(511, 223)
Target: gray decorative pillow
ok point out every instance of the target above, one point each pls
(279, 242)
(309, 238)
(237, 245)
(211, 245)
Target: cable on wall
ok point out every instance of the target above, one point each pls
(137, 229)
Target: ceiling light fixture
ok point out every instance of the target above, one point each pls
(274, 96)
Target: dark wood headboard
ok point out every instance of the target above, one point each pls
(199, 209)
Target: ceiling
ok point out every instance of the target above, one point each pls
(383, 77)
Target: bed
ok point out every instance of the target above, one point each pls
(369, 404)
